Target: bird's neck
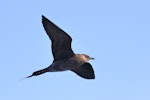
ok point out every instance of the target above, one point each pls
(82, 58)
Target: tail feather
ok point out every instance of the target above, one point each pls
(36, 73)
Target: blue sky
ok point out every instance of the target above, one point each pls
(115, 32)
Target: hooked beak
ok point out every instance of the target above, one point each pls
(92, 58)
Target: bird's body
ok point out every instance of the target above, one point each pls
(68, 64)
(64, 57)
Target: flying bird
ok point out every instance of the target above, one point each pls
(64, 57)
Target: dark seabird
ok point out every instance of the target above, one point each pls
(64, 57)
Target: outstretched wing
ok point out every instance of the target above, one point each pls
(61, 41)
(85, 71)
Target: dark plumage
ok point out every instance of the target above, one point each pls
(64, 57)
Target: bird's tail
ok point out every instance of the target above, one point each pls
(36, 73)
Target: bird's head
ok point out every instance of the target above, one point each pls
(86, 57)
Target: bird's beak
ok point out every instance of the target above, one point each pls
(92, 58)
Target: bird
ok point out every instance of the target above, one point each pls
(64, 57)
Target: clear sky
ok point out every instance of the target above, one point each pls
(115, 32)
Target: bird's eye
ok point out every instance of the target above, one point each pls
(88, 57)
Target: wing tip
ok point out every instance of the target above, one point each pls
(90, 77)
(43, 16)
